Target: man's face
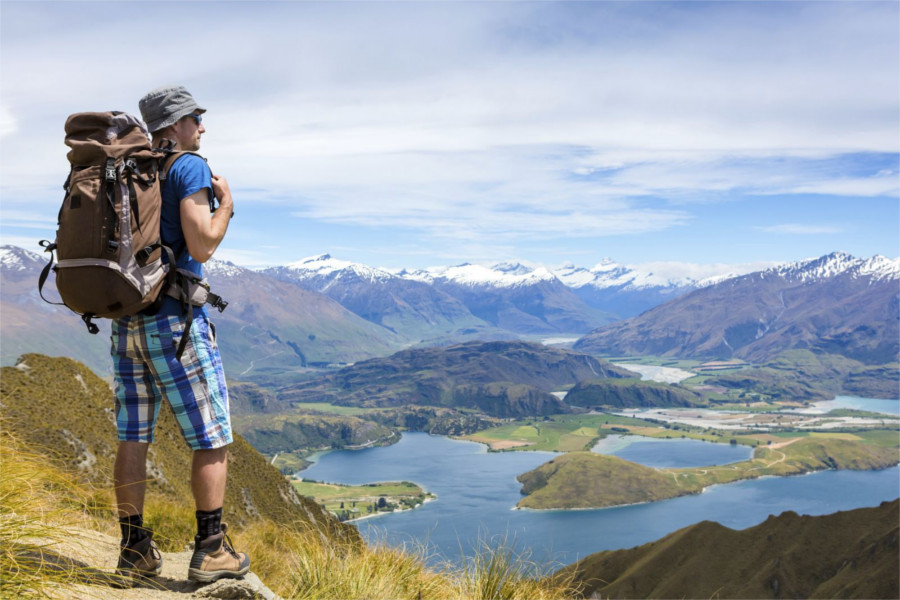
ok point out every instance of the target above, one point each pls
(188, 131)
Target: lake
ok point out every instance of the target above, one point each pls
(887, 407)
(673, 453)
(477, 491)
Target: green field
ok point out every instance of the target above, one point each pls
(573, 433)
(348, 502)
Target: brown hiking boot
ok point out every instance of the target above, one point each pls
(215, 558)
(139, 560)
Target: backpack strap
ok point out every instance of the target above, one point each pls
(45, 272)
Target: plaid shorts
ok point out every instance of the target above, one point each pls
(146, 370)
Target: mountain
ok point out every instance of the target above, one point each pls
(835, 304)
(504, 379)
(28, 324)
(414, 311)
(269, 325)
(274, 326)
(627, 291)
(515, 297)
(850, 554)
(58, 407)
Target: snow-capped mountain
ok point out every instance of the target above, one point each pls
(501, 275)
(411, 309)
(839, 264)
(836, 304)
(514, 296)
(13, 258)
(269, 325)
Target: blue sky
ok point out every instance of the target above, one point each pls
(408, 134)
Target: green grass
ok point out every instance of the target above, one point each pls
(354, 501)
(573, 433)
(334, 409)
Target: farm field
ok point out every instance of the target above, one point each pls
(348, 502)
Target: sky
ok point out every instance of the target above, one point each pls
(416, 134)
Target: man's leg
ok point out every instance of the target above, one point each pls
(209, 470)
(130, 475)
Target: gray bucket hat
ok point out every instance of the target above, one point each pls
(164, 106)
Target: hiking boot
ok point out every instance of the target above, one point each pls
(138, 561)
(215, 558)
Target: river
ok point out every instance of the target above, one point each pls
(477, 491)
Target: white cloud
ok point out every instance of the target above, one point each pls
(505, 120)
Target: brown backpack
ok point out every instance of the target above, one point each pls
(108, 239)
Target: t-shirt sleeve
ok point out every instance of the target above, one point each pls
(189, 175)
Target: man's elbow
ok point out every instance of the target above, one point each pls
(201, 254)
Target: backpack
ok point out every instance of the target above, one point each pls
(108, 243)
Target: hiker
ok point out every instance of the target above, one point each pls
(146, 368)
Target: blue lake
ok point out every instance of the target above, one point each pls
(673, 453)
(888, 407)
(477, 491)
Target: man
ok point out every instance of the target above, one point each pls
(146, 367)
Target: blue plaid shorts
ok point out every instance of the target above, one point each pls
(146, 370)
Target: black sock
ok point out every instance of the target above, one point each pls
(209, 522)
(132, 528)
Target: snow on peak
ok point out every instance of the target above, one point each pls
(222, 268)
(13, 258)
(508, 274)
(326, 266)
(840, 263)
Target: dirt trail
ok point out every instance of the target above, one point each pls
(96, 554)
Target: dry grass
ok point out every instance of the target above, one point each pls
(41, 510)
(301, 564)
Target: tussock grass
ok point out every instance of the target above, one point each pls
(300, 563)
(40, 510)
(499, 571)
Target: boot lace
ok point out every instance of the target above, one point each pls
(227, 543)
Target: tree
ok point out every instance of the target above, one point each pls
(382, 503)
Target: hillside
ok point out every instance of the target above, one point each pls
(628, 393)
(851, 554)
(59, 404)
(29, 324)
(589, 480)
(835, 304)
(504, 379)
(804, 375)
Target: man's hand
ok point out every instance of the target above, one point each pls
(221, 191)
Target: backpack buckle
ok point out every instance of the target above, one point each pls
(110, 170)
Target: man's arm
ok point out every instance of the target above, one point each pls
(203, 230)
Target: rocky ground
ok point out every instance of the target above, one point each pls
(96, 554)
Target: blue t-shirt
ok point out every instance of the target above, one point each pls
(188, 175)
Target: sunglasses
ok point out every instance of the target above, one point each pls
(197, 118)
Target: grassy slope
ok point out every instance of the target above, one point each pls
(60, 404)
(631, 393)
(588, 480)
(849, 554)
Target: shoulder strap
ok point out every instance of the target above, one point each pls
(169, 161)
